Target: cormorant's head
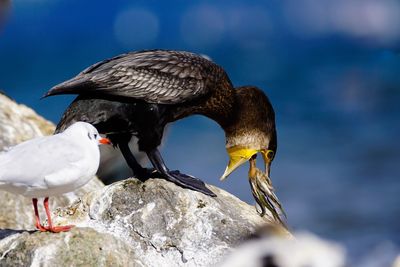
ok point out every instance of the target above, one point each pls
(239, 154)
(252, 131)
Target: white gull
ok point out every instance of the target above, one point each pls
(52, 165)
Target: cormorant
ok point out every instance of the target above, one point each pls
(138, 93)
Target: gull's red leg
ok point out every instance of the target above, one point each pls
(54, 229)
(38, 225)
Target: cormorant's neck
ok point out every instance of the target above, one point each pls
(226, 115)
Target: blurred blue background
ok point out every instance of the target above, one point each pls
(330, 68)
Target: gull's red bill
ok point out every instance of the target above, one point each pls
(105, 141)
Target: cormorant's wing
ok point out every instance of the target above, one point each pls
(156, 76)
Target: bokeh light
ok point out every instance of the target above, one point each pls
(376, 21)
(202, 26)
(135, 27)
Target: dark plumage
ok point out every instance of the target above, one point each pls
(140, 92)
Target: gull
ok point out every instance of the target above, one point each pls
(52, 165)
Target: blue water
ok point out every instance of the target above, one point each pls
(330, 68)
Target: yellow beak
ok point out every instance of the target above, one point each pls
(237, 156)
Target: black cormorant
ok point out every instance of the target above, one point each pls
(138, 93)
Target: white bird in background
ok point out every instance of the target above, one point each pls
(52, 165)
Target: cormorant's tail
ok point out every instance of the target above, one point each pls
(75, 85)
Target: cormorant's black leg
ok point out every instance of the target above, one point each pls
(138, 171)
(176, 177)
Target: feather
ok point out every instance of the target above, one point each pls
(183, 73)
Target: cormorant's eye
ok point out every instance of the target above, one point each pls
(270, 154)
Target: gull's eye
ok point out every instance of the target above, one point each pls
(95, 136)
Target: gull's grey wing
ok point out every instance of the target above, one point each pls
(36, 159)
(156, 76)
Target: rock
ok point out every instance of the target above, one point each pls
(160, 223)
(19, 123)
(65, 249)
(166, 224)
(127, 223)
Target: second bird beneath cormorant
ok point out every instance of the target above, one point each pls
(138, 93)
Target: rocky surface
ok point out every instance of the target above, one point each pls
(164, 224)
(155, 223)
(81, 247)
(128, 223)
(19, 123)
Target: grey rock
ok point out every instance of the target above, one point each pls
(166, 225)
(19, 123)
(79, 247)
(127, 223)
(155, 223)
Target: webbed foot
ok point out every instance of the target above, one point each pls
(188, 181)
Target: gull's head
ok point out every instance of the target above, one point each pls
(86, 131)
